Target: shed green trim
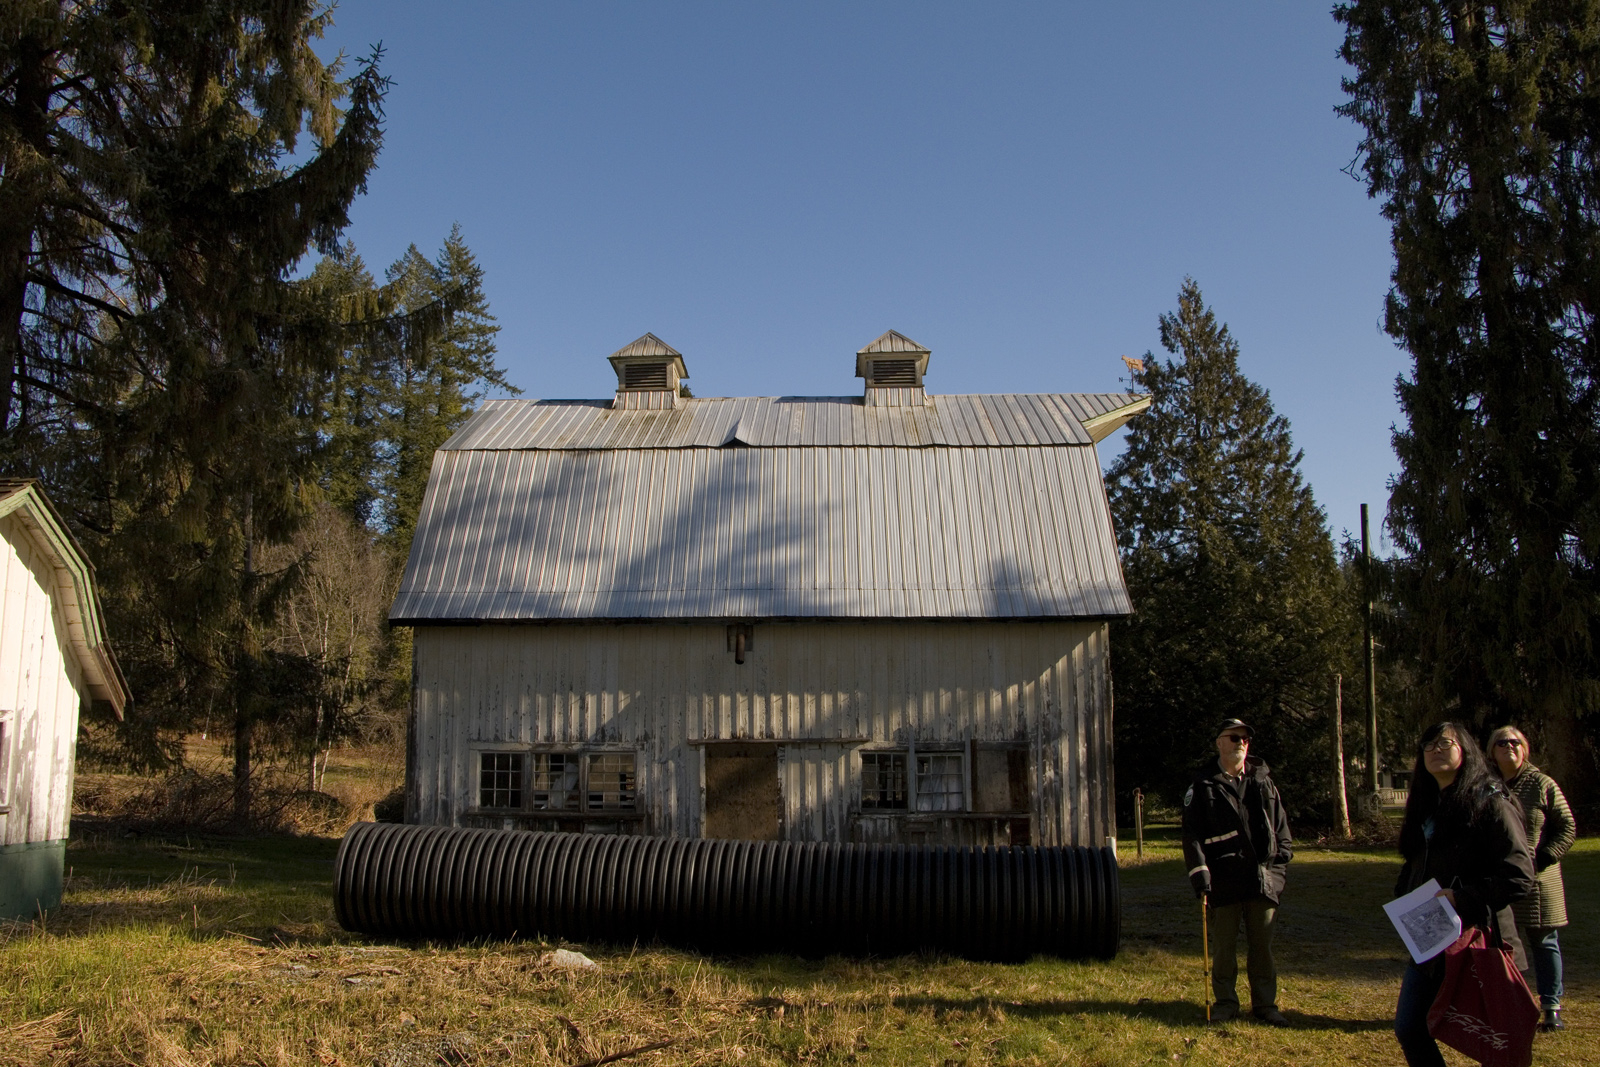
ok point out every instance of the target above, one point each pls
(31, 877)
(85, 622)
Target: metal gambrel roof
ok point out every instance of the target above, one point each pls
(771, 507)
(953, 421)
(741, 532)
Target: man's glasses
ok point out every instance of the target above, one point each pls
(1508, 742)
(1440, 744)
(1238, 739)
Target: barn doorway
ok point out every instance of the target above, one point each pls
(744, 799)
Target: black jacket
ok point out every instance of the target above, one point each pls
(1236, 848)
(1486, 862)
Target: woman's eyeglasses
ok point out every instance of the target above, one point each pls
(1440, 744)
(1508, 742)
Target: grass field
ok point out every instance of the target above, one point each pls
(216, 951)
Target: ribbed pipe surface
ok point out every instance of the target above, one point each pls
(738, 896)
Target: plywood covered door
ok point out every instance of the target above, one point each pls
(743, 794)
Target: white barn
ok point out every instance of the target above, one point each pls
(869, 618)
(54, 660)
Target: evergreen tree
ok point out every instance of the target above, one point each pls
(1237, 596)
(1481, 123)
(158, 363)
(401, 396)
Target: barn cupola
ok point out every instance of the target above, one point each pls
(649, 373)
(893, 366)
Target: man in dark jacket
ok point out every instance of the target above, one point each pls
(1237, 845)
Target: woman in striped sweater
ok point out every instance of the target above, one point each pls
(1551, 832)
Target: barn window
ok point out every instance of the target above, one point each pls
(939, 785)
(612, 785)
(500, 780)
(883, 781)
(555, 781)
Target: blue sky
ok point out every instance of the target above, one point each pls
(1020, 187)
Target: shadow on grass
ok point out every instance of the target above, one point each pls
(1330, 923)
(267, 890)
(1171, 1012)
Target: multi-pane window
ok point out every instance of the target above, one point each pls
(555, 781)
(914, 782)
(500, 780)
(612, 786)
(939, 781)
(883, 781)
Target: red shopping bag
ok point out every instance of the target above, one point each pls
(1484, 1008)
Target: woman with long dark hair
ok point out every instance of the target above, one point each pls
(1465, 830)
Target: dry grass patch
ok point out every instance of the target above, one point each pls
(213, 952)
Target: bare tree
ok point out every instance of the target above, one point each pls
(333, 624)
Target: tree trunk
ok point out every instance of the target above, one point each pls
(243, 731)
(243, 678)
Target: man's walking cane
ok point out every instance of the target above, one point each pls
(1205, 953)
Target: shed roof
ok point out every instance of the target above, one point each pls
(79, 599)
(771, 507)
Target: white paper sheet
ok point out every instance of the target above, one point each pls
(1426, 921)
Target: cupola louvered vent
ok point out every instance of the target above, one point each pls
(901, 372)
(893, 366)
(645, 376)
(649, 374)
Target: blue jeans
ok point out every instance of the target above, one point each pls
(1544, 953)
(1417, 991)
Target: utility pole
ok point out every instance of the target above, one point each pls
(1341, 809)
(1372, 675)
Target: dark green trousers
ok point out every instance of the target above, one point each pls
(1257, 916)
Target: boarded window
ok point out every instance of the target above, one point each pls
(883, 781)
(612, 785)
(555, 782)
(939, 786)
(744, 796)
(1000, 779)
(500, 780)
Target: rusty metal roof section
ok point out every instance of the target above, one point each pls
(769, 507)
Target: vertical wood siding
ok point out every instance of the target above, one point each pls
(41, 686)
(824, 689)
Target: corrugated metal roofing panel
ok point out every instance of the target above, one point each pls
(953, 421)
(765, 532)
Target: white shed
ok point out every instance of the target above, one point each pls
(54, 659)
(869, 618)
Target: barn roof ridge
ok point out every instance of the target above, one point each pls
(951, 420)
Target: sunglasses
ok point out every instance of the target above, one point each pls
(1508, 742)
(1238, 739)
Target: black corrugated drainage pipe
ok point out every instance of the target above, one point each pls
(1003, 903)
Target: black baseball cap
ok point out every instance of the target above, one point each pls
(1227, 725)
